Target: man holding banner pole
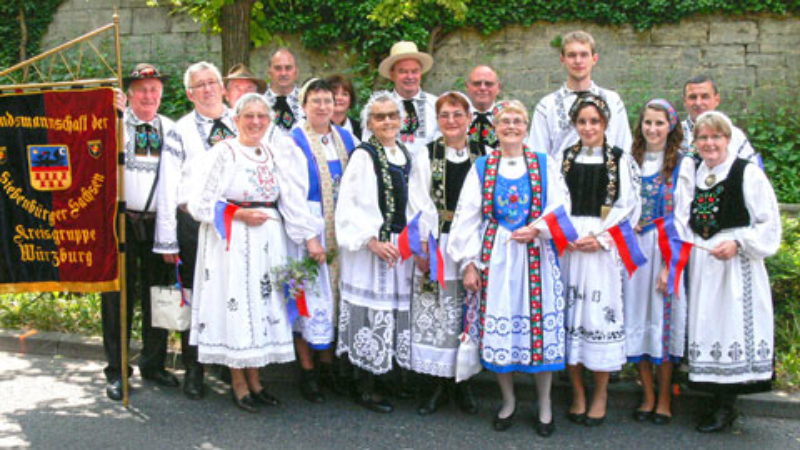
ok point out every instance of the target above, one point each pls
(144, 131)
(184, 148)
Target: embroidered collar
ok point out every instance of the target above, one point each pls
(419, 96)
(226, 114)
(593, 88)
(131, 119)
(294, 95)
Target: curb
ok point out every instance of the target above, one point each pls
(622, 394)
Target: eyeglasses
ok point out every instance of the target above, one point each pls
(512, 122)
(380, 117)
(711, 137)
(321, 101)
(455, 116)
(206, 85)
(479, 83)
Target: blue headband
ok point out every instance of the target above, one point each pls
(672, 115)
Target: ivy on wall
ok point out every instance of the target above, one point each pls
(38, 16)
(326, 24)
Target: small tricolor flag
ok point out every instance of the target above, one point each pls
(628, 248)
(409, 242)
(223, 221)
(674, 250)
(436, 261)
(561, 228)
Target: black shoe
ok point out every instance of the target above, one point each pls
(193, 386)
(309, 386)
(502, 424)
(642, 416)
(437, 398)
(162, 377)
(545, 429)
(465, 399)
(330, 379)
(579, 419)
(661, 419)
(246, 403)
(114, 389)
(225, 374)
(594, 421)
(380, 406)
(262, 398)
(718, 420)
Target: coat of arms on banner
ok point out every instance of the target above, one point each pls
(95, 148)
(3, 155)
(49, 167)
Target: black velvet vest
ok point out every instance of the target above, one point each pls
(721, 206)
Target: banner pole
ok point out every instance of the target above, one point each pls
(123, 288)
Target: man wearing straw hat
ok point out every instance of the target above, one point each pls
(405, 66)
(144, 135)
(240, 81)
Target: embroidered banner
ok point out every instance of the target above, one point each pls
(58, 191)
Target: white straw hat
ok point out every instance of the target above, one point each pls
(404, 50)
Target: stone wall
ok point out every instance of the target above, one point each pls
(146, 34)
(754, 56)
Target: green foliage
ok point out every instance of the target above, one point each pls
(72, 313)
(775, 132)
(38, 16)
(784, 274)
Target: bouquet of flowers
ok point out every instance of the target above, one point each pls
(296, 276)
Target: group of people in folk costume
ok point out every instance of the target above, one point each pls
(286, 174)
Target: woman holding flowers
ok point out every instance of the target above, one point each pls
(313, 168)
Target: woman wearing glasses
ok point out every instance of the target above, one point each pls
(313, 167)
(437, 316)
(382, 188)
(509, 262)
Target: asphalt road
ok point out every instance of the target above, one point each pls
(59, 403)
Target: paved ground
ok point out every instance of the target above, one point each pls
(52, 402)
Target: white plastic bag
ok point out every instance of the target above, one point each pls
(168, 308)
(468, 358)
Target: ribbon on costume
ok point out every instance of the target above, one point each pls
(179, 283)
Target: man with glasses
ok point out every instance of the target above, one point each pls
(700, 94)
(144, 131)
(551, 130)
(184, 147)
(483, 87)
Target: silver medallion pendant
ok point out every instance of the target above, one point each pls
(324, 140)
(710, 180)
